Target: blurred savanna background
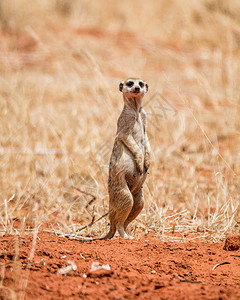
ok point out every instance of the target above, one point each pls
(61, 62)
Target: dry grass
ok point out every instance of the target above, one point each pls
(61, 62)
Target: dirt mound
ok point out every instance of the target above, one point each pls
(232, 243)
(146, 268)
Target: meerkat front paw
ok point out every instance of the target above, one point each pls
(147, 162)
(139, 163)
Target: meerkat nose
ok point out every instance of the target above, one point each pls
(137, 89)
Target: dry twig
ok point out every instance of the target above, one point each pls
(23, 265)
(92, 222)
(188, 280)
(220, 264)
(86, 193)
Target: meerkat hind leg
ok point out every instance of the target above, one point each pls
(122, 203)
(138, 202)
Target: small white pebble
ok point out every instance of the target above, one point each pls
(70, 267)
(82, 256)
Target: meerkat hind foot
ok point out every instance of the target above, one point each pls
(129, 237)
(123, 233)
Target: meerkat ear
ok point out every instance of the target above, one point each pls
(121, 86)
(146, 87)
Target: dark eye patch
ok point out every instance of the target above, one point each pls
(141, 84)
(130, 83)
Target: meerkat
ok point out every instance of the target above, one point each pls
(130, 159)
(129, 162)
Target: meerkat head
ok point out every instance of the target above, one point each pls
(133, 87)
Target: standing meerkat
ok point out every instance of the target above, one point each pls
(130, 159)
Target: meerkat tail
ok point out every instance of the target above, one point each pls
(111, 232)
(109, 235)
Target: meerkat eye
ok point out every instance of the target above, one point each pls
(141, 84)
(130, 83)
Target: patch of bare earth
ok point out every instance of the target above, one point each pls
(146, 268)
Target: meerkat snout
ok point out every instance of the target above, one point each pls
(137, 89)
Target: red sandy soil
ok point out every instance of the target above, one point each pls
(145, 268)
